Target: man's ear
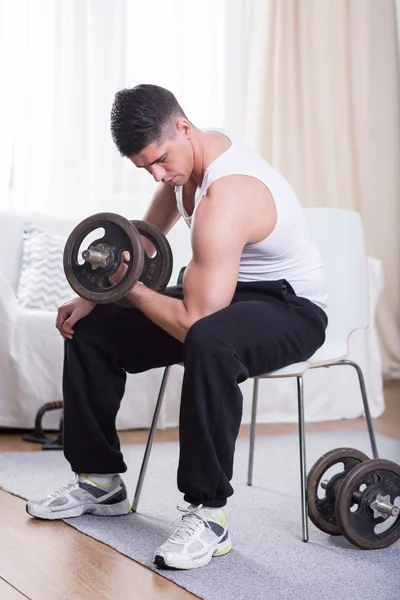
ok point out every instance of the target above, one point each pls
(184, 127)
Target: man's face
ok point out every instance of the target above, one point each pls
(169, 161)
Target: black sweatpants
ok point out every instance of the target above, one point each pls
(266, 327)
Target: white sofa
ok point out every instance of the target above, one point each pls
(31, 355)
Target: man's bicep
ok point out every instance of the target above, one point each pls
(210, 279)
(208, 287)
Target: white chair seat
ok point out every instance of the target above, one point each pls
(294, 370)
(329, 353)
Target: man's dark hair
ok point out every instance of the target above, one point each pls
(141, 115)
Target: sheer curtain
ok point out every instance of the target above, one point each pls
(61, 63)
(312, 84)
(318, 94)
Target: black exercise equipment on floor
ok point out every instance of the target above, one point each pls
(361, 501)
(38, 435)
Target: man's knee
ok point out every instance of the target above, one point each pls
(201, 336)
(209, 336)
(93, 325)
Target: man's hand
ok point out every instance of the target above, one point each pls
(122, 269)
(69, 313)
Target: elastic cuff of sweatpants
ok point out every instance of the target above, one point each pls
(216, 503)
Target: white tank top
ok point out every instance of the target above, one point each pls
(289, 252)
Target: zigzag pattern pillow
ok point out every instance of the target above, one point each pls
(42, 282)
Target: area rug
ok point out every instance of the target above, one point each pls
(269, 559)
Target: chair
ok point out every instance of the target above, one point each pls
(339, 235)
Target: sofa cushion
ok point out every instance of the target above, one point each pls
(11, 238)
(42, 282)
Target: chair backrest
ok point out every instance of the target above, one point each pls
(339, 236)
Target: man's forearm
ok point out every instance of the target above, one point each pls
(168, 313)
(163, 211)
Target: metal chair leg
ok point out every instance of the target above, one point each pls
(366, 405)
(252, 432)
(302, 447)
(364, 399)
(150, 439)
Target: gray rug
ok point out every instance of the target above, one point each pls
(269, 560)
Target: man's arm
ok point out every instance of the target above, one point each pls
(220, 229)
(163, 211)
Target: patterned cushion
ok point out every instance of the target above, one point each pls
(42, 282)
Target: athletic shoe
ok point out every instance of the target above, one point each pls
(198, 538)
(81, 496)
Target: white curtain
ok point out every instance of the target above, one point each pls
(61, 62)
(317, 93)
(312, 84)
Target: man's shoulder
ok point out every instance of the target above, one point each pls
(236, 185)
(223, 201)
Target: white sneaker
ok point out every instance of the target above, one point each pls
(82, 495)
(198, 538)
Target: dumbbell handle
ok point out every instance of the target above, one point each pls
(385, 508)
(93, 256)
(97, 256)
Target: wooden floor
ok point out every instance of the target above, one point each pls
(52, 561)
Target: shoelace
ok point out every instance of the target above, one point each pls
(64, 488)
(190, 522)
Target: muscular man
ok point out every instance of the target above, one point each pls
(252, 301)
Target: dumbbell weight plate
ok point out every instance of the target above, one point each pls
(157, 269)
(322, 510)
(382, 479)
(94, 284)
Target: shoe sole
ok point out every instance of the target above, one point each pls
(104, 510)
(220, 550)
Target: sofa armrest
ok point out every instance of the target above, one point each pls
(7, 297)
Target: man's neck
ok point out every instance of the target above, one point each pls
(199, 153)
(207, 147)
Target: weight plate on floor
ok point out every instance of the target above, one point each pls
(360, 523)
(321, 510)
(91, 281)
(157, 269)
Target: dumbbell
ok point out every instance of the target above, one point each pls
(88, 268)
(361, 502)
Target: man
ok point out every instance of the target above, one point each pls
(252, 301)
